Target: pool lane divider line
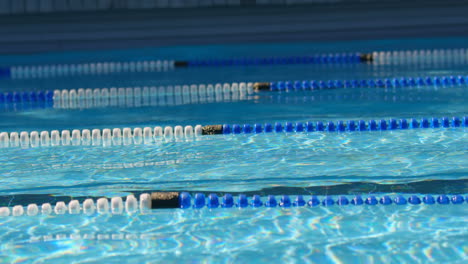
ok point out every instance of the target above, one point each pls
(116, 136)
(127, 136)
(184, 93)
(184, 200)
(161, 100)
(100, 68)
(72, 97)
(396, 57)
(421, 56)
(23, 97)
(88, 68)
(438, 81)
(337, 58)
(338, 126)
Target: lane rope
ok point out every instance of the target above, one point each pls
(104, 137)
(80, 69)
(147, 135)
(396, 57)
(102, 96)
(184, 200)
(436, 81)
(412, 95)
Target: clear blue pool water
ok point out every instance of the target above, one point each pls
(323, 235)
(381, 163)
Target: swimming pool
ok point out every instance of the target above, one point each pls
(306, 154)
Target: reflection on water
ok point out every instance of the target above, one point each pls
(363, 234)
(239, 162)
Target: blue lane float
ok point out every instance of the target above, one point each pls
(445, 81)
(338, 126)
(5, 73)
(199, 201)
(394, 57)
(343, 58)
(27, 97)
(92, 68)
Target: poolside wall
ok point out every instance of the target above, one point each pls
(48, 6)
(249, 23)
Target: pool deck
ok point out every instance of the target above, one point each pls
(162, 27)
